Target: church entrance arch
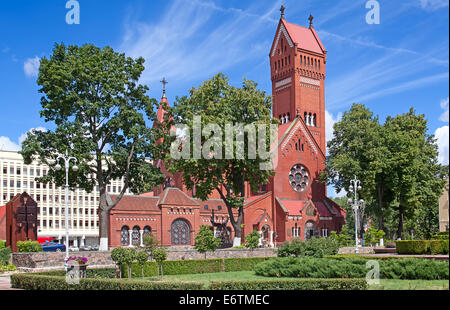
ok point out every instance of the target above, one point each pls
(311, 230)
(180, 232)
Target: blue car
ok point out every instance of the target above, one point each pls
(49, 246)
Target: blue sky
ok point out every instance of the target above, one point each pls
(403, 62)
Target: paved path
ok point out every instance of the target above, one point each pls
(5, 283)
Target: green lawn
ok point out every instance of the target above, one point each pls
(385, 284)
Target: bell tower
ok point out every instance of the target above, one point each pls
(297, 62)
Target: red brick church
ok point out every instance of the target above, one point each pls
(294, 203)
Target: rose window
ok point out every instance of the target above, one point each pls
(299, 178)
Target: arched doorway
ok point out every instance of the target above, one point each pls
(124, 236)
(180, 232)
(311, 230)
(265, 235)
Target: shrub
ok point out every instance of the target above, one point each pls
(205, 240)
(142, 258)
(422, 246)
(5, 268)
(252, 240)
(315, 247)
(300, 284)
(159, 255)
(118, 257)
(353, 267)
(343, 238)
(28, 246)
(2, 244)
(95, 273)
(443, 235)
(5, 254)
(193, 266)
(45, 282)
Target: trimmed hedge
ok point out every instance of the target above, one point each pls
(422, 247)
(98, 273)
(300, 284)
(46, 282)
(190, 266)
(398, 268)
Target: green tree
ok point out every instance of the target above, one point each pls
(99, 111)
(358, 149)
(150, 242)
(118, 257)
(252, 240)
(129, 256)
(216, 102)
(414, 175)
(142, 258)
(205, 240)
(159, 255)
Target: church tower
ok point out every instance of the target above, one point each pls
(297, 61)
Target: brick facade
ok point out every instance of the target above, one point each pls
(294, 203)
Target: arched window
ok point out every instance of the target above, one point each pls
(314, 123)
(319, 64)
(147, 230)
(311, 230)
(289, 59)
(124, 236)
(135, 236)
(288, 117)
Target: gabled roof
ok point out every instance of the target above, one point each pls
(285, 130)
(304, 38)
(297, 207)
(136, 203)
(174, 196)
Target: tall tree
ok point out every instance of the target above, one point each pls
(220, 105)
(414, 175)
(358, 149)
(99, 111)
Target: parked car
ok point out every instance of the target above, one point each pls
(73, 248)
(86, 248)
(41, 240)
(49, 246)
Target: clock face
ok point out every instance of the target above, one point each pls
(299, 178)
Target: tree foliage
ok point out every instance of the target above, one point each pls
(100, 115)
(216, 102)
(205, 240)
(396, 163)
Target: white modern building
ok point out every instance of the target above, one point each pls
(16, 177)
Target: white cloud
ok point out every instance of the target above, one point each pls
(31, 67)
(433, 5)
(442, 137)
(7, 145)
(444, 105)
(185, 44)
(24, 135)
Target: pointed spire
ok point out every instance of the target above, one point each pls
(311, 20)
(164, 82)
(282, 11)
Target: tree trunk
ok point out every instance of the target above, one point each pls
(104, 229)
(380, 191)
(400, 221)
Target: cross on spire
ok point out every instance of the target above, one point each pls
(282, 11)
(164, 82)
(310, 20)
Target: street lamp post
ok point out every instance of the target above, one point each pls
(58, 167)
(357, 206)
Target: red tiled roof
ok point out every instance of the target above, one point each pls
(174, 196)
(136, 203)
(213, 204)
(323, 210)
(294, 207)
(149, 194)
(306, 38)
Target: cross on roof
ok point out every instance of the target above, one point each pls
(164, 82)
(310, 20)
(282, 11)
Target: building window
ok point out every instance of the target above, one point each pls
(324, 232)
(124, 235)
(136, 236)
